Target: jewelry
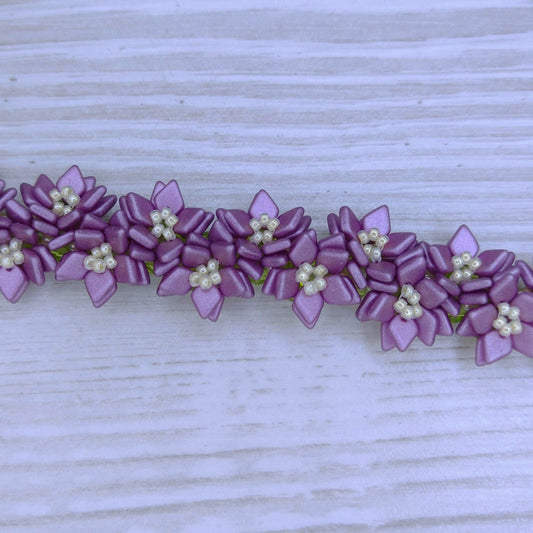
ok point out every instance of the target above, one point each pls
(413, 288)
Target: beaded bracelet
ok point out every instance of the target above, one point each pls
(415, 289)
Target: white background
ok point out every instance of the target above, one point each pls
(142, 417)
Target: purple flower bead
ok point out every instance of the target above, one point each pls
(67, 205)
(369, 241)
(6, 194)
(316, 279)
(417, 307)
(208, 268)
(502, 324)
(154, 225)
(262, 236)
(100, 260)
(20, 265)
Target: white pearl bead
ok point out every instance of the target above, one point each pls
(407, 290)
(195, 278)
(466, 257)
(475, 263)
(382, 241)
(7, 262)
(400, 305)
(66, 191)
(89, 261)
(514, 313)
(267, 236)
(171, 221)
(457, 262)
(110, 261)
(165, 213)
(206, 283)
(273, 224)
(320, 284)
(55, 195)
(301, 276)
(307, 268)
(58, 208)
(99, 266)
(417, 311)
(202, 269)
(456, 276)
(506, 330)
(363, 237)
(255, 224)
(67, 209)
(516, 327)
(18, 257)
(310, 288)
(105, 249)
(499, 322)
(407, 313)
(169, 235)
(257, 237)
(4, 249)
(320, 270)
(215, 278)
(504, 308)
(96, 252)
(368, 249)
(414, 298)
(15, 244)
(373, 234)
(467, 274)
(264, 219)
(73, 200)
(212, 264)
(156, 216)
(158, 229)
(375, 255)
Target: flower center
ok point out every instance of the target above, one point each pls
(264, 228)
(11, 254)
(508, 321)
(100, 258)
(373, 243)
(206, 276)
(64, 201)
(464, 266)
(312, 278)
(164, 222)
(407, 305)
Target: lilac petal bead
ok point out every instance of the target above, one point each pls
(524, 301)
(263, 203)
(411, 271)
(398, 244)
(90, 182)
(463, 241)
(348, 222)
(416, 252)
(18, 212)
(441, 257)
(378, 218)
(275, 260)
(47, 259)
(91, 222)
(192, 219)
(403, 332)
(274, 247)
(160, 269)
(140, 253)
(334, 225)
(491, 347)
(431, 293)
(169, 196)
(339, 291)
(252, 269)
(357, 275)
(5, 236)
(526, 273)
(7, 195)
(363, 312)
(224, 253)
(158, 187)
(169, 250)
(333, 259)
(119, 218)
(234, 283)
(208, 302)
(491, 262)
(175, 282)
(24, 233)
(479, 284)
(138, 209)
(473, 298)
(303, 249)
(219, 232)
(41, 191)
(63, 240)
(355, 248)
(86, 239)
(248, 250)
(451, 306)
(333, 241)
(430, 264)
(13, 283)
(382, 309)
(449, 286)
(427, 327)
(5, 223)
(481, 318)
(72, 178)
(105, 205)
(142, 236)
(523, 342)
(289, 222)
(130, 271)
(383, 271)
(465, 329)
(71, 267)
(504, 290)
(387, 340)
(70, 221)
(286, 285)
(308, 308)
(239, 221)
(90, 200)
(444, 326)
(45, 228)
(118, 239)
(193, 256)
(33, 268)
(269, 285)
(380, 286)
(100, 286)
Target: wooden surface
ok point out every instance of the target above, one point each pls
(140, 417)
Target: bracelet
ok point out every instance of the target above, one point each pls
(413, 288)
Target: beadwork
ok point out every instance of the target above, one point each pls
(412, 288)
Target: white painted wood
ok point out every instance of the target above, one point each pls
(142, 417)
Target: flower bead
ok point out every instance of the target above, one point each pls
(318, 277)
(208, 268)
(64, 206)
(100, 259)
(262, 236)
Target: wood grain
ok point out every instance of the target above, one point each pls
(140, 416)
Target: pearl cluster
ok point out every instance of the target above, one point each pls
(206, 276)
(407, 305)
(312, 278)
(464, 266)
(264, 228)
(101, 257)
(373, 243)
(11, 254)
(64, 201)
(164, 222)
(508, 321)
